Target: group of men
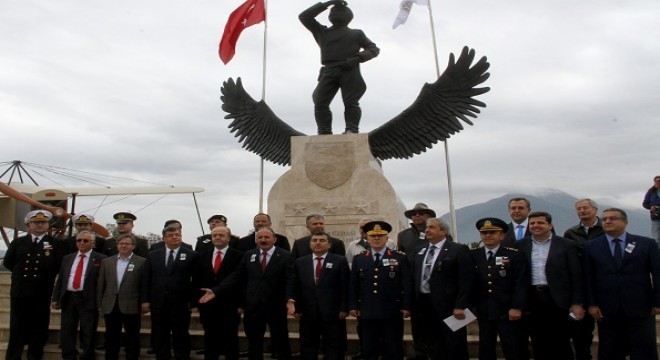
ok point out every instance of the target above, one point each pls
(524, 282)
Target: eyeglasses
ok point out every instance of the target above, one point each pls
(82, 241)
(122, 223)
(491, 232)
(417, 213)
(611, 218)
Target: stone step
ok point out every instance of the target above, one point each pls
(197, 340)
(52, 352)
(195, 324)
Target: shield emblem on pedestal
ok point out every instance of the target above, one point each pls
(329, 164)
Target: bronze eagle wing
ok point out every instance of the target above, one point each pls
(436, 112)
(255, 125)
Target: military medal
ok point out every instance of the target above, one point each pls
(502, 272)
(386, 262)
(392, 274)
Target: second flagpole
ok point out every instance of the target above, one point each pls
(452, 210)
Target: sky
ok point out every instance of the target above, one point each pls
(131, 89)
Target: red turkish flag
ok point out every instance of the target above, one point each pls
(250, 13)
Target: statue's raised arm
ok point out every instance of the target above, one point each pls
(342, 51)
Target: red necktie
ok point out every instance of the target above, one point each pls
(77, 277)
(319, 267)
(218, 262)
(264, 261)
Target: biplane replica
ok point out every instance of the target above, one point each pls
(20, 193)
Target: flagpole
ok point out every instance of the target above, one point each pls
(452, 210)
(263, 97)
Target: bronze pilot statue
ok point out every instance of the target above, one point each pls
(342, 51)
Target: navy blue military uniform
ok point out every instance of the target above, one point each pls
(33, 266)
(501, 284)
(379, 292)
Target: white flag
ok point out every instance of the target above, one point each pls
(404, 11)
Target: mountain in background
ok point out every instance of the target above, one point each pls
(558, 203)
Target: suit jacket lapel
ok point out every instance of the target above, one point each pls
(69, 265)
(419, 262)
(444, 251)
(112, 279)
(607, 251)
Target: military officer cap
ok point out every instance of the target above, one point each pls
(83, 219)
(492, 224)
(217, 217)
(377, 228)
(419, 208)
(124, 216)
(38, 215)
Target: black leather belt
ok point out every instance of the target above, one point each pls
(540, 287)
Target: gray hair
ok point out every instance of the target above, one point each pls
(443, 224)
(592, 203)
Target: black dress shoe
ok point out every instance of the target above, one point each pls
(200, 352)
(100, 347)
(151, 351)
(358, 356)
(244, 354)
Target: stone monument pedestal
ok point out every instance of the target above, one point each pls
(335, 176)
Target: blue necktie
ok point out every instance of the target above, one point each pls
(519, 235)
(428, 266)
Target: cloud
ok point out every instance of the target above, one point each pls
(133, 89)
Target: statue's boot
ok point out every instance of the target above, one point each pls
(323, 121)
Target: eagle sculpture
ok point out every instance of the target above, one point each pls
(433, 116)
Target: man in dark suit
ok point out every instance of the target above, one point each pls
(125, 226)
(622, 274)
(34, 261)
(556, 290)
(119, 298)
(249, 242)
(167, 292)
(316, 223)
(443, 276)
(380, 294)
(75, 293)
(501, 285)
(220, 317)
(267, 273)
(519, 208)
(590, 227)
(204, 242)
(83, 222)
(320, 299)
